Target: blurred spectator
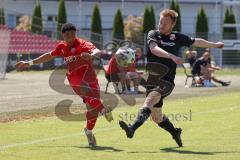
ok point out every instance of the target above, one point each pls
(133, 76)
(191, 56)
(116, 73)
(203, 70)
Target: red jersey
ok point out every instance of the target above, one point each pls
(75, 64)
(112, 66)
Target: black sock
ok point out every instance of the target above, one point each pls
(141, 118)
(168, 126)
(219, 81)
(222, 83)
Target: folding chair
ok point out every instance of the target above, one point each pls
(186, 67)
(108, 78)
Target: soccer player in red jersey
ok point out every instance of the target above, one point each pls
(78, 55)
(116, 72)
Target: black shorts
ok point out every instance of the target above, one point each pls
(164, 87)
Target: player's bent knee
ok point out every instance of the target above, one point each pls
(153, 98)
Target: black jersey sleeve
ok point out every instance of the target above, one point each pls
(196, 68)
(184, 40)
(152, 36)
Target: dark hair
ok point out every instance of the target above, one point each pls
(68, 27)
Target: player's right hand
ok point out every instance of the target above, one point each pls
(21, 65)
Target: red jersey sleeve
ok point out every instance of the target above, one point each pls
(58, 51)
(87, 46)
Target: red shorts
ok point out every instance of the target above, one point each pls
(86, 90)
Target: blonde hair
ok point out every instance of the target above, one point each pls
(138, 50)
(169, 13)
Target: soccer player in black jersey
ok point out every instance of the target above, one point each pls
(163, 45)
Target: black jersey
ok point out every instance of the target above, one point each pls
(191, 60)
(170, 43)
(196, 69)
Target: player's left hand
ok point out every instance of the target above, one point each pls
(86, 56)
(219, 45)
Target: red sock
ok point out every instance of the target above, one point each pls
(91, 119)
(92, 114)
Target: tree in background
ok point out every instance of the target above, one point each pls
(202, 24)
(226, 20)
(176, 7)
(118, 27)
(2, 17)
(61, 18)
(229, 32)
(96, 27)
(133, 29)
(153, 20)
(37, 24)
(147, 20)
(233, 56)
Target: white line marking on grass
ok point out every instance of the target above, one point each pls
(37, 141)
(50, 139)
(97, 130)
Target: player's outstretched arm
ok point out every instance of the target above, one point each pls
(90, 56)
(157, 51)
(41, 59)
(199, 42)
